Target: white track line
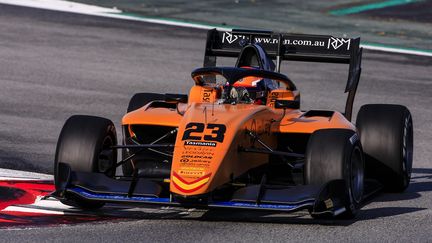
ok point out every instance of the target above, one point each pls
(48, 206)
(66, 6)
(6, 174)
(397, 50)
(23, 209)
(72, 7)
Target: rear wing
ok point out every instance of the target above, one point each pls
(291, 47)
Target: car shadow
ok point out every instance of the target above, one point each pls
(375, 213)
(303, 217)
(421, 181)
(232, 215)
(236, 215)
(300, 217)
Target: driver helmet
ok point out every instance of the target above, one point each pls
(249, 82)
(254, 88)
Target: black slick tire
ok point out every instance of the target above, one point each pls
(84, 144)
(386, 133)
(334, 154)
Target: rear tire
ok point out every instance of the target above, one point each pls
(386, 133)
(333, 154)
(84, 144)
(137, 101)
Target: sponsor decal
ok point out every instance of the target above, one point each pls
(338, 42)
(275, 95)
(329, 203)
(191, 186)
(333, 43)
(206, 95)
(191, 172)
(197, 156)
(199, 143)
(229, 37)
(290, 42)
(190, 156)
(212, 133)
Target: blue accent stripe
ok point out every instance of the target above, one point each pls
(117, 197)
(165, 201)
(282, 207)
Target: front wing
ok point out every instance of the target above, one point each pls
(319, 199)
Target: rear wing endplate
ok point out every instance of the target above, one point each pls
(291, 47)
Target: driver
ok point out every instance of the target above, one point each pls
(251, 90)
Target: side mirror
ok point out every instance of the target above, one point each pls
(176, 98)
(287, 104)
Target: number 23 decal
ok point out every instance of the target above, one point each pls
(214, 132)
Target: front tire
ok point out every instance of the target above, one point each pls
(85, 145)
(386, 133)
(334, 154)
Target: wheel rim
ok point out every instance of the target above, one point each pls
(407, 150)
(105, 157)
(357, 175)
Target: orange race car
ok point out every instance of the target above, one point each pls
(240, 140)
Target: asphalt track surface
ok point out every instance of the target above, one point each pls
(388, 26)
(53, 65)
